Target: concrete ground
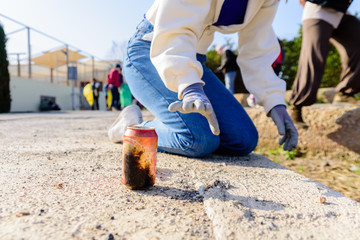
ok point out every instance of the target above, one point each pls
(60, 179)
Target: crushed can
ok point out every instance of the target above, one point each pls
(139, 157)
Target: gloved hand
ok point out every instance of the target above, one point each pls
(218, 70)
(195, 100)
(285, 127)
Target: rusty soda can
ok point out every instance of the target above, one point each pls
(139, 157)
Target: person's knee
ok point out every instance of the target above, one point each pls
(207, 145)
(251, 144)
(244, 146)
(201, 145)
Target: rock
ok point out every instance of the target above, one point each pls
(241, 97)
(322, 200)
(324, 95)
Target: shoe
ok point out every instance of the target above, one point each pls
(341, 97)
(130, 115)
(296, 116)
(251, 100)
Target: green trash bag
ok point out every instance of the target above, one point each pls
(125, 95)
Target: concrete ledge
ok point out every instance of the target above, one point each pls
(60, 179)
(266, 201)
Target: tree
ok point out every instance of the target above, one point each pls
(5, 100)
(292, 53)
(213, 59)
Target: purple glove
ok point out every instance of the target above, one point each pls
(285, 127)
(195, 100)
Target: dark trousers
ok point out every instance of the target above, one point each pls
(115, 97)
(95, 106)
(317, 35)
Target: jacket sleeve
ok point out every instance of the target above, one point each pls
(177, 29)
(258, 49)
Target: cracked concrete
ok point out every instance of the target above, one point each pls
(60, 179)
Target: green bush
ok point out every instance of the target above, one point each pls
(5, 100)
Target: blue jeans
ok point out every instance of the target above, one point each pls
(230, 81)
(186, 134)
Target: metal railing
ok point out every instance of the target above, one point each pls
(21, 63)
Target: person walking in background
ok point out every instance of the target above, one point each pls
(115, 80)
(326, 21)
(279, 60)
(106, 88)
(96, 92)
(195, 115)
(228, 66)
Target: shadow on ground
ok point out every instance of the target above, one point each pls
(349, 133)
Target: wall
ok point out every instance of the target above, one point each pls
(25, 95)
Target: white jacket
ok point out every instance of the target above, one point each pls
(183, 28)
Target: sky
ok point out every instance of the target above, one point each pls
(93, 25)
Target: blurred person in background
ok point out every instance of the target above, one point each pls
(115, 80)
(106, 88)
(326, 21)
(279, 60)
(96, 87)
(228, 66)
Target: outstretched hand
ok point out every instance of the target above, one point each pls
(285, 127)
(195, 100)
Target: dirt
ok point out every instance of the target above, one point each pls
(328, 152)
